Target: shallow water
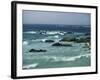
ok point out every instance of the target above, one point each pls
(56, 56)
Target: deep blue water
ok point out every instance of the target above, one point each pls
(50, 27)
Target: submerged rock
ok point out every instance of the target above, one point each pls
(34, 50)
(61, 44)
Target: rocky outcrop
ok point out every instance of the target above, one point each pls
(69, 39)
(49, 41)
(61, 44)
(73, 39)
(35, 50)
(83, 40)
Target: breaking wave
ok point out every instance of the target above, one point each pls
(59, 58)
(30, 66)
(25, 42)
(55, 32)
(31, 32)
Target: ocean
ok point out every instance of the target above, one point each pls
(46, 46)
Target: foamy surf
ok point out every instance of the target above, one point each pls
(57, 59)
(31, 32)
(25, 42)
(30, 66)
(56, 36)
(52, 32)
(43, 40)
(55, 32)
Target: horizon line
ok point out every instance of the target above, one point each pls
(62, 24)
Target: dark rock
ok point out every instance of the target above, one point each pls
(69, 39)
(69, 32)
(83, 40)
(49, 41)
(77, 40)
(60, 44)
(34, 50)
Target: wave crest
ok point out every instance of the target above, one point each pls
(30, 66)
(25, 42)
(57, 59)
(30, 32)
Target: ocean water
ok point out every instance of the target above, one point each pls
(35, 37)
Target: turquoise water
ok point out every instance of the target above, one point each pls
(55, 56)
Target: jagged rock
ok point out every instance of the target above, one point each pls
(60, 44)
(78, 40)
(49, 40)
(68, 39)
(34, 50)
(83, 40)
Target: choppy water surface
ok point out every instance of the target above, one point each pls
(77, 55)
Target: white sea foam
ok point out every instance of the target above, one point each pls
(31, 32)
(25, 42)
(57, 40)
(61, 33)
(57, 59)
(36, 40)
(55, 32)
(56, 36)
(43, 40)
(52, 32)
(30, 66)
